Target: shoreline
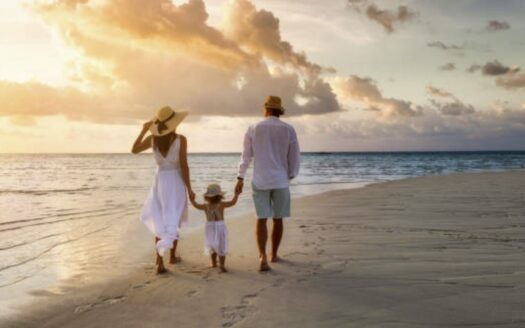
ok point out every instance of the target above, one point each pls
(309, 261)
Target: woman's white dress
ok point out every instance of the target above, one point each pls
(166, 206)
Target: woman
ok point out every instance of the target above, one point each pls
(166, 206)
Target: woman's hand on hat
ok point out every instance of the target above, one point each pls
(145, 126)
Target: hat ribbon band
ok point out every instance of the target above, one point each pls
(162, 124)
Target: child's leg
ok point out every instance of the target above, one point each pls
(159, 262)
(214, 259)
(173, 258)
(222, 260)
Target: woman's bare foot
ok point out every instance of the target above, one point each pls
(175, 259)
(275, 258)
(263, 264)
(223, 269)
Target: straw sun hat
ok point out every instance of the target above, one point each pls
(214, 190)
(166, 121)
(274, 102)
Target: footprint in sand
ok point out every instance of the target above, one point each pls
(192, 293)
(278, 282)
(233, 315)
(144, 284)
(105, 302)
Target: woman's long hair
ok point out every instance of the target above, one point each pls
(163, 143)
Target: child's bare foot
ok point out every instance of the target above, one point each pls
(223, 269)
(175, 259)
(263, 264)
(214, 260)
(161, 269)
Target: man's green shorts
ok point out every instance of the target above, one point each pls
(271, 203)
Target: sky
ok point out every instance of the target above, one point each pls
(354, 75)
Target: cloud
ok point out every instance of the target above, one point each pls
(473, 68)
(37, 99)
(508, 78)
(448, 67)
(497, 26)
(133, 56)
(258, 31)
(493, 68)
(488, 128)
(443, 46)
(436, 92)
(364, 91)
(389, 19)
(454, 108)
(511, 81)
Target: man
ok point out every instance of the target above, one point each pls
(274, 148)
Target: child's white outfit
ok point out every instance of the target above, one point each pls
(216, 233)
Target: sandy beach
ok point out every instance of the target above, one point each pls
(439, 251)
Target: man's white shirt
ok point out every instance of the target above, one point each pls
(273, 146)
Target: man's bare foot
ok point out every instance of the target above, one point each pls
(275, 258)
(263, 264)
(175, 259)
(223, 269)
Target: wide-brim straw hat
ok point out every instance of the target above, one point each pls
(214, 190)
(166, 121)
(274, 102)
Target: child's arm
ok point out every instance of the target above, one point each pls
(231, 202)
(197, 205)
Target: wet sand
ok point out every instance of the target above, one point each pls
(442, 251)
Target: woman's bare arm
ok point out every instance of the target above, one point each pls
(185, 170)
(140, 143)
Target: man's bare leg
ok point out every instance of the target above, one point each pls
(262, 238)
(277, 235)
(174, 259)
(159, 262)
(222, 260)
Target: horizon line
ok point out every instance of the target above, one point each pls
(302, 152)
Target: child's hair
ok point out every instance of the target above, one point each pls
(214, 199)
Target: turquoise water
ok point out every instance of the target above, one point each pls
(66, 216)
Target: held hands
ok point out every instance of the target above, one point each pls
(239, 186)
(238, 191)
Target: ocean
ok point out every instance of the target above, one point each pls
(65, 216)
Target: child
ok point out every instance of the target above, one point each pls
(216, 234)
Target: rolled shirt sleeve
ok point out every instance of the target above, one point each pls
(294, 155)
(247, 154)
